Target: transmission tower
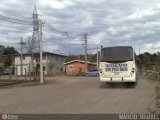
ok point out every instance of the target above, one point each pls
(35, 42)
(35, 35)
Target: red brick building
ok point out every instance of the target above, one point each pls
(76, 67)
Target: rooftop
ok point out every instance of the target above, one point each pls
(80, 62)
(44, 52)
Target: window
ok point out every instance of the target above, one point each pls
(117, 54)
(70, 67)
(61, 69)
(44, 57)
(44, 68)
(37, 59)
(57, 68)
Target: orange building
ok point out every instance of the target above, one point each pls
(77, 67)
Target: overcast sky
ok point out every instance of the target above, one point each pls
(107, 23)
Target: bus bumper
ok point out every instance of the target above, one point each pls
(126, 79)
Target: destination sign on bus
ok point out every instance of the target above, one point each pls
(116, 67)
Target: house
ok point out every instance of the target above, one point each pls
(78, 67)
(52, 63)
(3, 59)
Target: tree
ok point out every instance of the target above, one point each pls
(91, 57)
(9, 50)
(1, 49)
(148, 61)
(8, 61)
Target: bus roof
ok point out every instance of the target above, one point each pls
(118, 47)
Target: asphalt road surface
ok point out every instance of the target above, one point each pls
(79, 95)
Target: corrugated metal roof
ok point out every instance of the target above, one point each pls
(79, 61)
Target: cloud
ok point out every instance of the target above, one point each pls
(141, 13)
(55, 4)
(108, 23)
(52, 3)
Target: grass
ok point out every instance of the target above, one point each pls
(155, 78)
(6, 84)
(156, 110)
(17, 83)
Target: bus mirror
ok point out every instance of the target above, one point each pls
(137, 59)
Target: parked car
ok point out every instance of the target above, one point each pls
(93, 73)
(7, 71)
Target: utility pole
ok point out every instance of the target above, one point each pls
(100, 56)
(97, 59)
(78, 70)
(86, 67)
(21, 55)
(41, 53)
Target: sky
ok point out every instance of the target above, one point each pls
(107, 22)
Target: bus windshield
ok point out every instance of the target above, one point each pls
(113, 54)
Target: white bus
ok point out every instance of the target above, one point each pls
(118, 64)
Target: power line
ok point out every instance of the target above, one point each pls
(10, 25)
(55, 30)
(61, 32)
(15, 22)
(14, 30)
(63, 44)
(92, 49)
(64, 40)
(15, 19)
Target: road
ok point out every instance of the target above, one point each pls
(78, 95)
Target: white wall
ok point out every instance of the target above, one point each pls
(27, 60)
(25, 69)
(26, 64)
(49, 61)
